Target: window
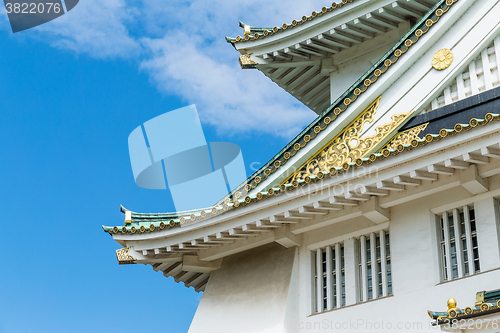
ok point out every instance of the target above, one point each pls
(329, 277)
(374, 266)
(458, 244)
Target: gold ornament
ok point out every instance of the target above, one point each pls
(123, 256)
(405, 138)
(452, 304)
(347, 147)
(246, 30)
(442, 59)
(246, 62)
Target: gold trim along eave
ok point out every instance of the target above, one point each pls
(244, 201)
(285, 26)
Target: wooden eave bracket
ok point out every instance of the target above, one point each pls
(327, 67)
(472, 181)
(192, 263)
(284, 237)
(372, 211)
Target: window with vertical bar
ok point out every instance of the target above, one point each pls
(374, 266)
(388, 264)
(342, 277)
(459, 254)
(329, 278)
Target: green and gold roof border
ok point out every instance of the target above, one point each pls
(405, 137)
(301, 140)
(143, 227)
(454, 313)
(264, 32)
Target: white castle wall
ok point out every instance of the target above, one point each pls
(415, 272)
(249, 293)
(270, 289)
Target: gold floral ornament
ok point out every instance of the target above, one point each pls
(442, 59)
(405, 138)
(123, 256)
(348, 146)
(246, 61)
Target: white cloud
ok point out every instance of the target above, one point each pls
(193, 61)
(181, 45)
(100, 29)
(229, 98)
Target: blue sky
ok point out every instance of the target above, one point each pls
(71, 91)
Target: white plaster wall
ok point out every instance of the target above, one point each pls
(348, 73)
(293, 303)
(486, 212)
(415, 272)
(269, 289)
(249, 293)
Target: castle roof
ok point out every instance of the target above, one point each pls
(252, 190)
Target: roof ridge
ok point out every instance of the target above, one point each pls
(253, 33)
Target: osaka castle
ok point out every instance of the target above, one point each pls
(383, 213)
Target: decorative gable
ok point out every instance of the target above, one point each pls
(349, 145)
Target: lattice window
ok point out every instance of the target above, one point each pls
(329, 278)
(458, 244)
(374, 266)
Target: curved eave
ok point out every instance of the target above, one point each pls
(446, 318)
(328, 117)
(143, 227)
(253, 226)
(246, 193)
(285, 27)
(331, 33)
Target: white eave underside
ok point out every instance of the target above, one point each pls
(296, 62)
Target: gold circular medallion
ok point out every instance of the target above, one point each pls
(442, 59)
